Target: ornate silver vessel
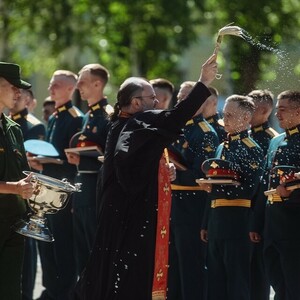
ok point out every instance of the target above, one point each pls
(49, 196)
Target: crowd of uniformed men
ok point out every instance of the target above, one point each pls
(228, 240)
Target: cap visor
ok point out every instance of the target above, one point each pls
(19, 83)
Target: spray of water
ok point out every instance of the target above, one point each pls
(284, 62)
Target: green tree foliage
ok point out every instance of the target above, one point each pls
(144, 37)
(140, 38)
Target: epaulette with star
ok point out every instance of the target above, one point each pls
(271, 132)
(204, 126)
(33, 120)
(249, 143)
(74, 112)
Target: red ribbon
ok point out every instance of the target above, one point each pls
(159, 288)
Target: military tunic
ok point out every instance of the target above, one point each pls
(260, 287)
(228, 221)
(12, 162)
(94, 131)
(57, 258)
(187, 253)
(32, 128)
(262, 135)
(214, 122)
(278, 218)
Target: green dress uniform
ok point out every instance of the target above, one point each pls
(227, 220)
(32, 128)
(12, 162)
(57, 258)
(260, 287)
(278, 218)
(94, 132)
(186, 276)
(214, 122)
(262, 135)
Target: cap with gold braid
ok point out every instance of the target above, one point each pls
(219, 171)
(219, 168)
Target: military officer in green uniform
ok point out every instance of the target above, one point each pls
(262, 133)
(91, 83)
(187, 252)
(12, 187)
(227, 221)
(32, 128)
(164, 90)
(277, 215)
(212, 116)
(57, 259)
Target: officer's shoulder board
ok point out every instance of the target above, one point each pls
(11, 122)
(249, 143)
(204, 126)
(33, 120)
(74, 112)
(271, 132)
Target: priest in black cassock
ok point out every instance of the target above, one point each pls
(130, 255)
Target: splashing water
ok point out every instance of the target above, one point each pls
(284, 61)
(242, 33)
(284, 64)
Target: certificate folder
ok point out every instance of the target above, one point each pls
(92, 151)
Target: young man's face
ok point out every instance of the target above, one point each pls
(235, 119)
(288, 114)
(86, 84)
(163, 98)
(20, 103)
(60, 89)
(8, 94)
(48, 110)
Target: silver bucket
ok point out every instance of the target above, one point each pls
(49, 196)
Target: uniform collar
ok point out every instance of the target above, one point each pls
(123, 114)
(63, 108)
(238, 136)
(98, 105)
(195, 120)
(213, 119)
(21, 114)
(293, 131)
(198, 118)
(261, 127)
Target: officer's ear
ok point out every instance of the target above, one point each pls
(247, 117)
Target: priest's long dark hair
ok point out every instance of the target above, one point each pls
(131, 87)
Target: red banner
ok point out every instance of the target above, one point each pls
(159, 289)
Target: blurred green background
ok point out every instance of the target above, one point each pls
(153, 38)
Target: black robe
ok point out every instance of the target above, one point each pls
(121, 264)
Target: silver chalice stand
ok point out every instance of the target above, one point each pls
(49, 196)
